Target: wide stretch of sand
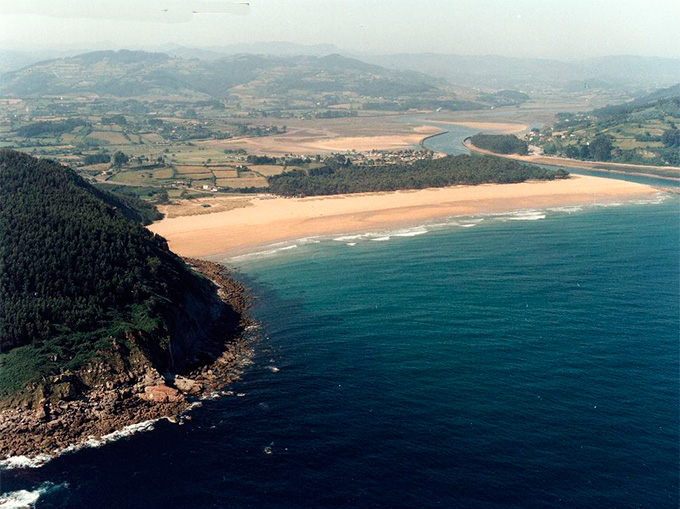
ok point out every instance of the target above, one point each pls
(326, 141)
(266, 220)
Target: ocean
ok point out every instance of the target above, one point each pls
(502, 361)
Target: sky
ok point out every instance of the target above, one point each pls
(522, 28)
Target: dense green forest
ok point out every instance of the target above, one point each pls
(132, 206)
(341, 177)
(56, 127)
(76, 266)
(500, 143)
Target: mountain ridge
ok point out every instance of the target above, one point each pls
(127, 73)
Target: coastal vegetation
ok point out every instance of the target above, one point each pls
(341, 177)
(80, 274)
(642, 131)
(500, 143)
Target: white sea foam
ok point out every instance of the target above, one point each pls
(345, 238)
(309, 240)
(411, 232)
(18, 462)
(24, 462)
(23, 499)
(19, 499)
(381, 236)
(461, 222)
(654, 200)
(264, 254)
(523, 215)
(127, 431)
(352, 240)
(567, 210)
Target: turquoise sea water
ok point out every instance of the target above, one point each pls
(517, 360)
(528, 360)
(515, 363)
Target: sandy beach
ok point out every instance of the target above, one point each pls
(264, 220)
(332, 139)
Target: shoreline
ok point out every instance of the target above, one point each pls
(268, 220)
(123, 403)
(633, 169)
(497, 127)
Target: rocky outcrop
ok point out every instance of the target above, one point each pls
(124, 385)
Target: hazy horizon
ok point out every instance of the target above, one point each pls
(555, 30)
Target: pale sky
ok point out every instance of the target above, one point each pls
(539, 28)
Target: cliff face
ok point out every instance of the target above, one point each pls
(124, 384)
(101, 326)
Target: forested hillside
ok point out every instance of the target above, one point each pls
(500, 143)
(643, 131)
(77, 269)
(137, 73)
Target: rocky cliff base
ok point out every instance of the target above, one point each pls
(121, 387)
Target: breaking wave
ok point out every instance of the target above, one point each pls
(22, 499)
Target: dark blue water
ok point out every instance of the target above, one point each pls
(512, 363)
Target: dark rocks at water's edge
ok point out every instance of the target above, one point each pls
(126, 388)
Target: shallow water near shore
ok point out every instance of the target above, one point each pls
(528, 362)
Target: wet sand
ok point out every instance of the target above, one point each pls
(316, 141)
(266, 219)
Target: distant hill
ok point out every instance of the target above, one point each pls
(136, 73)
(272, 48)
(627, 73)
(642, 131)
(612, 73)
(664, 98)
(616, 73)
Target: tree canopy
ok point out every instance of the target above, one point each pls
(340, 177)
(74, 259)
(500, 143)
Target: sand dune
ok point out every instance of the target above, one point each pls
(270, 219)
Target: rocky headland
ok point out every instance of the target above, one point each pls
(124, 386)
